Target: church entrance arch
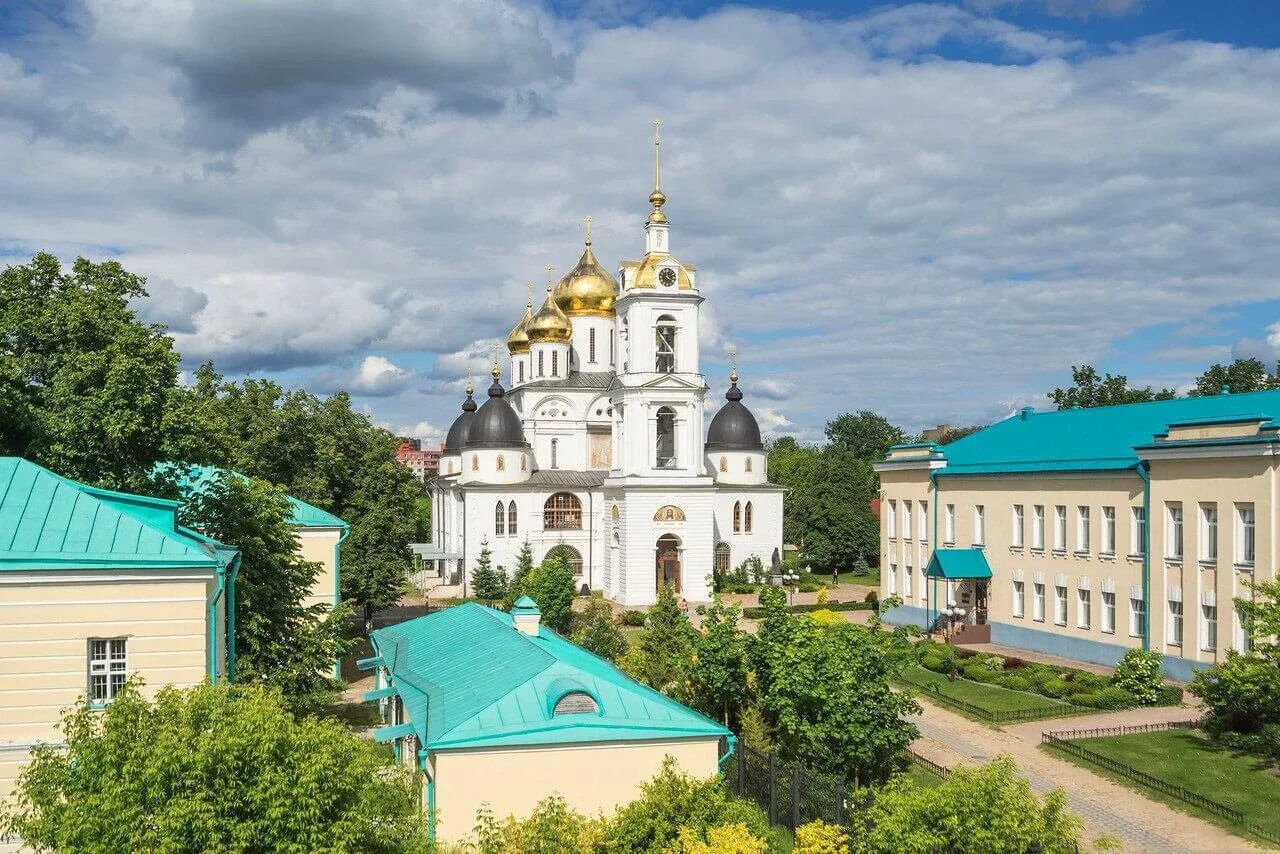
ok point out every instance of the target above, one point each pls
(668, 562)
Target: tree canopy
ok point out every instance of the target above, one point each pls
(1240, 376)
(1088, 389)
(867, 434)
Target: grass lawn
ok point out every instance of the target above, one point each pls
(921, 776)
(991, 698)
(1182, 757)
(871, 579)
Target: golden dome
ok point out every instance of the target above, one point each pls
(587, 288)
(647, 271)
(549, 325)
(518, 340)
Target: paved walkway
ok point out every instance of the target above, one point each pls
(1106, 807)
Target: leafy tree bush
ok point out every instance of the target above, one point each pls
(1111, 698)
(488, 583)
(1242, 694)
(1138, 672)
(1054, 687)
(818, 837)
(725, 839)
(212, 768)
(720, 675)
(551, 828)
(1170, 695)
(550, 584)
(989, 808)
(1015, 683)
(595, 629)
(633, 619)
(664, 656)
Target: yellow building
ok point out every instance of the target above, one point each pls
(1097, 530)
(97, 586)
(496, 709)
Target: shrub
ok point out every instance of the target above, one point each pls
(827, 618)
(1169, 695)
(980, 673)
(1138, 672)
(818, 837)
(934, 663)
(1114, 697)
(725, 839)
(1014, 663)
(1089, 681)
(633, 618)
(965, 653)
(809, 587)
(552, 826)
(1017, 683)
(1265, 742)
(1242, 694)
(823, 596)
(995, 662)
(1055, 688)
(872, 598)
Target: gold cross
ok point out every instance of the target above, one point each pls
(550, 269)
(587, 219)
(528, 293)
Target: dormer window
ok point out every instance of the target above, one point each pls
(576, 703)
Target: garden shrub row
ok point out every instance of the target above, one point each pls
(1071, 685)
(758, 613)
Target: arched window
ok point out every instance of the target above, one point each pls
(724, 464)
(576, 703)
(737, 517)
(572, 557)
(475, 462)
(499, 520)
(511, 517)
(554, 447)
(562, 512)
(502, 463)
(666, 439)
(665, 345)
(721, 564)
(746, 519)
(748, 463)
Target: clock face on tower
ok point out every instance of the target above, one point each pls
(667, 277)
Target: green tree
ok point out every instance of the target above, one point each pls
(422, 519)
(279, 639)
(212, 768)
(83, 383)
(595, 630)
(841, 526)
(662, 657)
(867, 434)
(1242, 694)
(989, 808)
(1089, 389)
(486, 582)
(720, 672)
(550, 584)
(955, 434)
(1240, 376)
(1138, 672)
(794, 466)
(524, 562)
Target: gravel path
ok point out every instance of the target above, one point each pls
(1106, 807)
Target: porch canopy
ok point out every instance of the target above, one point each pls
(958, 563)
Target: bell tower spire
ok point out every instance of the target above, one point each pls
(656, 227)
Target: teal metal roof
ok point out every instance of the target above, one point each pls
(50, 522)
(1100, 438)
(468, 678)
(958, 563)
(192, 477)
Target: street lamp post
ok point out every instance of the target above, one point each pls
(790, 580)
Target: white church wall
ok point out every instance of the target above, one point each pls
(637, 585)
(731, 467)
(494, 465)
(583, 326)
(766, 523)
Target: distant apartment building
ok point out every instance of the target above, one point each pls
(1087, 532)
(423, 463)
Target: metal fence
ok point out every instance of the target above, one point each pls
(1068, 741)
(999, 716)
(791, 795)
(928, 764)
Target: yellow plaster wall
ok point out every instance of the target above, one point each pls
(318, 544)
(593, 778)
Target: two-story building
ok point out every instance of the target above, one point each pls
(1097, 530)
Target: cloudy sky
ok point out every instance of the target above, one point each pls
(931, 209)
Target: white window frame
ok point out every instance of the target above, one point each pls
(1108, 530)
(924, 521)
(1176, 622)
(1059, 605)
(1208, 545)
(1082, 529)
(907, 531)
(891, 519)
(1137, 617)
(1037, 527)
(893, 579)
(1059, 527)
(1019, 519)
(950, 531)
(907, 573)
(1037, 601)
(1084, 608)
(1019, 599)
(1208, 628)
(979, 525)
(1240, 631)
(1108, 612)
(111, 667)
(1137, 530)
(1175, 534)
(1246, 535)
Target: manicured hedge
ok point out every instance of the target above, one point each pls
(756, 613)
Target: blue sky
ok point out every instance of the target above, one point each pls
(931, 209)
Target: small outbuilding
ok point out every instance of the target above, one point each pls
(497, 709)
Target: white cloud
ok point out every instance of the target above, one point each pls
(376, 376)
(430, 434)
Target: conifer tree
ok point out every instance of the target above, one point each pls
(488, 583)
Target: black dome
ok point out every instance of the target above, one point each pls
(734, 428)
(496, 424)
(461, 427)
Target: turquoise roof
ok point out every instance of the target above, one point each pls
(50, 522)
(958, 563)
(304, 515)
(469, 678)
(1100, 438)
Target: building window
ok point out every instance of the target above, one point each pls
(893, 579)
(1060, 528)
(979, 525)
(1244, 535)
(747, 464)
(572, 557)
(722, 565)
(1175, 622)
(1060, 605)
(1082, 529)
(924, 521)
(1208, 627)
(555, 363)
(891, 519)
(924, 584)
(1209, 533)
(555, 447)
(511, 518)
(562, 512)
(499, 520)
(666, 439)
(1019, 598)
(724, 464)
(746, 518)
(502, 462)
(665, 342)
(1109, 612)
(540, 371)
(611, 348)
(1108, 530)
(108, 668)
(1241, 633)
(907, 572)
(1018, 521)
(906, 520)
(1137, 617)
(737, 517)
(1037, 527)
(1084, 609)
(591, 345)
(576, 703)
(950, 517)
(1037, 602)
(475, 462)
(1173, 532)
(524, 463)
(1138, 531)
(520, 368)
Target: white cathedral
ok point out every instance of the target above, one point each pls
(597, 452)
